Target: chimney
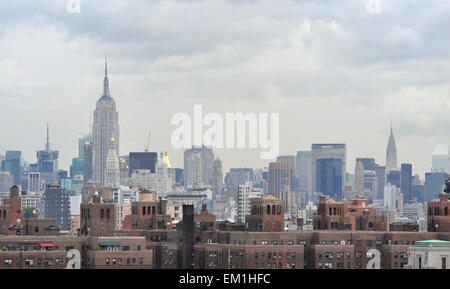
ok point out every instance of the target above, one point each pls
(188, 236)
(322, 199)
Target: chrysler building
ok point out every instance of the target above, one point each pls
(391, 154)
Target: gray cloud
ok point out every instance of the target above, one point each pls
(332, 70)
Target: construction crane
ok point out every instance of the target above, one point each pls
(148, 142)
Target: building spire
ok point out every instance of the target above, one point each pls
(106, 93)
(47, 144)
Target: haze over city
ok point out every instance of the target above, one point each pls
(334, 72)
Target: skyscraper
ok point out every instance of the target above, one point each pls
(112, 169)
(142, 161)
(440, 159)
(291, 161)
(87, 162)
(217, 178)
(329, 177)
(327, 151)
(406, 182)
(13, 163)
(55, 204)
(198, 162)
(105, 127)
(391, 153)
(359, 177)
(279, 178)
(47, 163)
(304, 172)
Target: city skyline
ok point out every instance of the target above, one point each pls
(162, 67)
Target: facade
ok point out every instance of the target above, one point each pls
(438, 216)
(434, 185)
(6, 181)
(336, 154)
(217, 178)
(440, 158)
(11, 215)
(394, 178)
(406, 182)
(88, 158)
(104, 128)
(370, 184)
(291, 161)
(142, 161)
(112, 169)
(329, 177)
(239, 176)
(246, 193)
(267, 215)
(198, 162)
(359, 177)
(55, 204)
(304, 172)
(353, 215)
(13, 163)
(279, 178)
(50, 252)
(97, 218)
(429, 254)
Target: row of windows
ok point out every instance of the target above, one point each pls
(274, 255)
(275, 209)
(436, 211)
(274, 265)
(31, 262)
(118, 261)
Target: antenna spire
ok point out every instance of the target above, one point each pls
(47, 144)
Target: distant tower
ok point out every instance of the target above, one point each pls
(391, 154)
(112, 170)
(359, 178)
(105, 126)
(47, 164)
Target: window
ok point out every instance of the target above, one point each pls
(444, 260)
(102, 213)
(268, 211)
(141, 261)
(8, 261)
(107, 261)
(29, 262)
(108, 213)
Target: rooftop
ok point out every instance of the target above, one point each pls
(432, 243)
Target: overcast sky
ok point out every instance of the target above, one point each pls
(333, 71)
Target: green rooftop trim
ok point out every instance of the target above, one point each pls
(102, 244)
(432, 243)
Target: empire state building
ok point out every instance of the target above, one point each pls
(104, 128)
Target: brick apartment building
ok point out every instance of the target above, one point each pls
(267, 215)
(351, 215)
(438, 215)
(51, 252)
